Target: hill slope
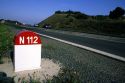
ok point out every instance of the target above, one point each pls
(84, 23)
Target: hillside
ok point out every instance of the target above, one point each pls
(80, 22)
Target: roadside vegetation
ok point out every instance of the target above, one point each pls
(112, 24)
(65, 76)
(6, 41)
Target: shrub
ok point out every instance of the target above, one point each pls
(66, 76)
(118, 12)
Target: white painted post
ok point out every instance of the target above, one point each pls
(27, 51)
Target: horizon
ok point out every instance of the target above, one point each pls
(33, 12)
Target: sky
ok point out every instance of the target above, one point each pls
(34, 11)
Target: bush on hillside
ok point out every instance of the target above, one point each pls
(117, 13)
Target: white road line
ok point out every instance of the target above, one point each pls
(87, 48)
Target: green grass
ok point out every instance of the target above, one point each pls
(66, 76)
(6, 40)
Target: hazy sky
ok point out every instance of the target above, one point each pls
(34, 11)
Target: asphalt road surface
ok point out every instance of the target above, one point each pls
(103, 45)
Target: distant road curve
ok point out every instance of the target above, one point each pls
(112, 49)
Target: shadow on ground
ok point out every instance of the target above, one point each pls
(5, 79)
(12, 57)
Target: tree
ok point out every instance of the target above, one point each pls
(69, 12)
(58, 12)
(117, 13)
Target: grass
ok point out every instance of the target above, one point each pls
(66, 76)
(6, 40)
(104, 26)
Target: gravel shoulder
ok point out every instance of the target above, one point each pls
(92, 67)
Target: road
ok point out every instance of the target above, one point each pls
(103, 45)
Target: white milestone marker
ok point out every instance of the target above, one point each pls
(27, 51)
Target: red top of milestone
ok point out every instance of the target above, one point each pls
(27, 38)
